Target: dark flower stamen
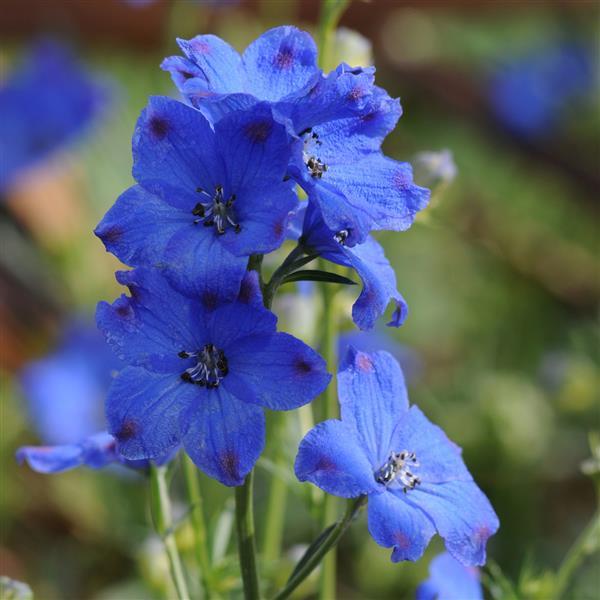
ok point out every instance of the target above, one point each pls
(210, 368)
(397, 466)
(313, 163)
(217, 211)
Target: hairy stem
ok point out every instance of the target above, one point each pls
(197, 514)
(326, 545)
(163, 522)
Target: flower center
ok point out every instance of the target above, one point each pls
(316, 167)
(210, 368)
(398, 466)
(216, 211)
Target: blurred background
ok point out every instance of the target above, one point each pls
(501, 274)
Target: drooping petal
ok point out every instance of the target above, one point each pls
(138, 227)
(250, 292)
(440, 459)
(143, 410)
(152, 325)
(280, 62)
(196, 262)
(223, 436)
(462, 515)
(174, 153)
(282, 371)
(397, 524)
(51, 459)
(373, 399)
(332, 457)
(450, 580)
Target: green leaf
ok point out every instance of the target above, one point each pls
(315, 275)
(312, 549)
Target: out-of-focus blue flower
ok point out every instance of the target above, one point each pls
(338, 122)
(375, 340)
(47, 102)
(95, 451)
(65, 390)
(369, 262)
(201, 372)
(449, 580)
(206, 199)
(413, 475)
(530, 94)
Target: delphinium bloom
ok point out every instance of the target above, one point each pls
(205, 199)
(47, 102)
(367, 259)
(413, 475)
(65, 390)
(449, 580)
(338, 123)
(95, 451)
(201, 373)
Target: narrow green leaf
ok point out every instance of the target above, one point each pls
(316, 275)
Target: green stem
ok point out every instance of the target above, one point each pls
(275, 517)
(331, 11)
(587, 542)
(328, 543)
(197, 514)
(163, 523)
(327, 583)
(244, 517)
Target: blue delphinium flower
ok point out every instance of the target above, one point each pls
(95, 451)
(413, 475)
(449, 580)
(205, 199)
(65, 391)
(48, 101)
(530, 93)
(367, 259)
(338, 123)
(200, 373)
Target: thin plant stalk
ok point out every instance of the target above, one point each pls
(163, 523)
(199, 525)
(327, 582)
(244, 518)
(326, 546)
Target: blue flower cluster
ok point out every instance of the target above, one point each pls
(216, 188)
(45, 103)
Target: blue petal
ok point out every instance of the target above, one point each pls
(379, 190)
(331, 456)
(257, 151)
(51, 459)
(197, 262)
(99, 450)
(223, 436)
(174, 153)
(373, 399)
(440, 459)
(397, 524)
(216, 67)
(280, 62)
(143, 410)
(449, 580)
(462, 515)
(138, 227)
(150, 327)
(282, 371)
(250, 292)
